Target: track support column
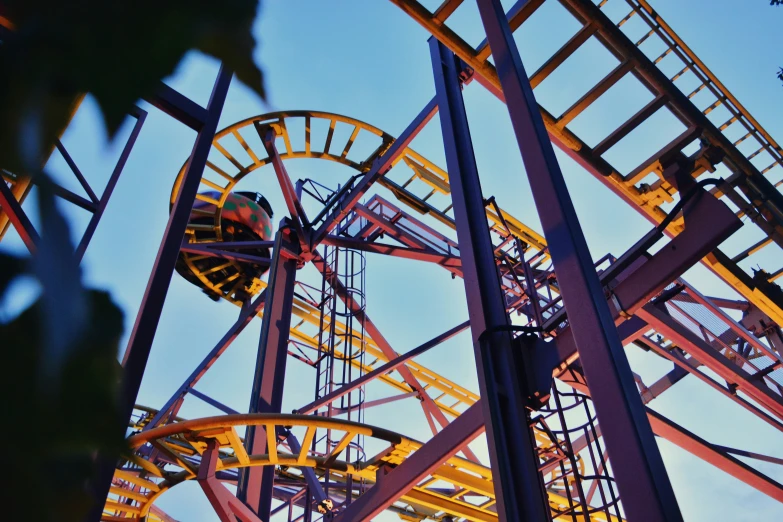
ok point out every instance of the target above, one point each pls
(644, 486)
(137, 353)
(256, 484)
(518, 486)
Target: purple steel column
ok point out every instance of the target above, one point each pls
(519, 489)
(256, 484)
(140, 343)
(641, 476)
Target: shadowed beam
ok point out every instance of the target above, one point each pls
(711, 358)
(429, 405)
(380, 166)
(382, 370)
(245, 316)
(695, 445)
(390, 487)
(227, 507)
(13, 210)
(391, 250)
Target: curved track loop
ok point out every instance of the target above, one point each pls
(234, 147)
(454, 398)
(139, 482)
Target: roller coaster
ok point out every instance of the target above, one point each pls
(567, 422)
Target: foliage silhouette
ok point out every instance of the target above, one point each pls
(62, 382)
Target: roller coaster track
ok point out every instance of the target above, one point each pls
(747, 188)
(679, 324)
(140, 483)
(422, 186)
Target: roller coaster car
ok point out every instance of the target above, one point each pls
(246, 216)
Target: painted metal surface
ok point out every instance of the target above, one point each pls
(507, 268)
(512, 453)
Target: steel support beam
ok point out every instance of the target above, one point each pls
(429, 405)
(380, 167)
(109, 189)
(140, 343)
(707, 223)
(390, 487)
(518, 485)
(226, 505)
(428, 255)
(256, 484)
(245, 316)
(14, 213)
(695, 445)
(314, 486)
(381, 370)
(645, 489)
(180, 107)
(710, 357)
(268, 134)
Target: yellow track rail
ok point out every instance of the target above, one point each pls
(182, 440)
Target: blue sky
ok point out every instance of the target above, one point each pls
(368, 60)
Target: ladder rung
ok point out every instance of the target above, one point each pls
(770, 168)
(677, 76)
(562, 54)
(627, 127)
(728, 122)
(645, 37)
(752, 250)
(756, 153)
(594, 93)
(713, 105)
(329, 136)
(627, 17)
(697, 90)
(673, 147)
(746, 136)
(663, 55)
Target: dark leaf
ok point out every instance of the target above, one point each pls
(117, 51)
(10, 268)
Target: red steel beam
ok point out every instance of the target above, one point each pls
(711, 358)
(390, 487)
(428, 255)
(295, 208)
(375, 334)
(695, 445)
(380, 167)
(382, 370)
(13, 211)
(227, 507)
(256, 484)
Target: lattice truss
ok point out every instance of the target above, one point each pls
(653, 307)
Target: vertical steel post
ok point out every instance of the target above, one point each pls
(518, 486)
(256, 484)
(140, 343)
(644, 485)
